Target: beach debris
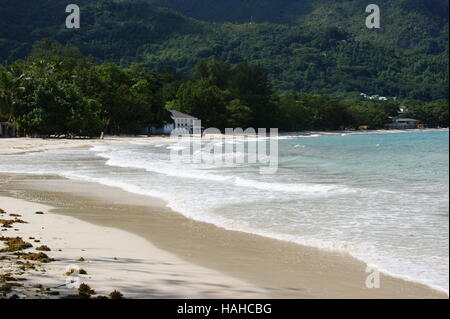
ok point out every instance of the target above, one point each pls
(39, 213)
(116, 295)
(40, 257)
(7, 223)
(82, 272)
(81, 259)
(43, 248)
(15, 215)
(26, 266)
(8, 277)
(6, 287)
(2, 211)
(85, 291)
(14, 244)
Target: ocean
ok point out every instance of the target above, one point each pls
(380, 197)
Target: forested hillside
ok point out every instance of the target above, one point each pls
(408, 24)
(317, 46)
(57, 91)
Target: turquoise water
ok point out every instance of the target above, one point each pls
(382, 198)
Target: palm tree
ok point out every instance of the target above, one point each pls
(10, 81)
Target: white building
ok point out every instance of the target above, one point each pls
(181, 121)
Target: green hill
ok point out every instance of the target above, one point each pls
(309, 46)
(407, 24)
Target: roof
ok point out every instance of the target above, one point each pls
(406, 120)
(176, 114)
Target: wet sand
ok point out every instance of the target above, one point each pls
(283, 269)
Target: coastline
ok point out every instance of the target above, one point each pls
(279, 269)
(112, 259)
(300, 271)
(23, 145)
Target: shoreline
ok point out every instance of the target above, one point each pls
(107, 259)
(23, 145)
(286, 269)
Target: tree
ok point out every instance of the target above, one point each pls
(10, 84)
(238, 114)
(201, 100)
(250, 84)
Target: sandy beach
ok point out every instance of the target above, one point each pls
(28, 145)
(113, 260)
(136, 245)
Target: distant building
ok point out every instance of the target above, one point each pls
(404, 124)
(181, 121)
(374, 97)
(7, 129)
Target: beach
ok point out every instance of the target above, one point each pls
(22, 145)
(137, 245)
(112, 259)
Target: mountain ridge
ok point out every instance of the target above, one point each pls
(307, 57)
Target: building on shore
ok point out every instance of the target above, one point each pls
(7, 129)
(181, 121)
(405, 124)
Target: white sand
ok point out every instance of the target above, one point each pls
(140, 271)
(25, 145)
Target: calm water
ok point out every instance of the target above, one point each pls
(383, 198)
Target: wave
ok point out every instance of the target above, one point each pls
(365, 254)
(180, 171)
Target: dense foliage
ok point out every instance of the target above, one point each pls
(409, 24)
(57, 91)
(323, 47)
